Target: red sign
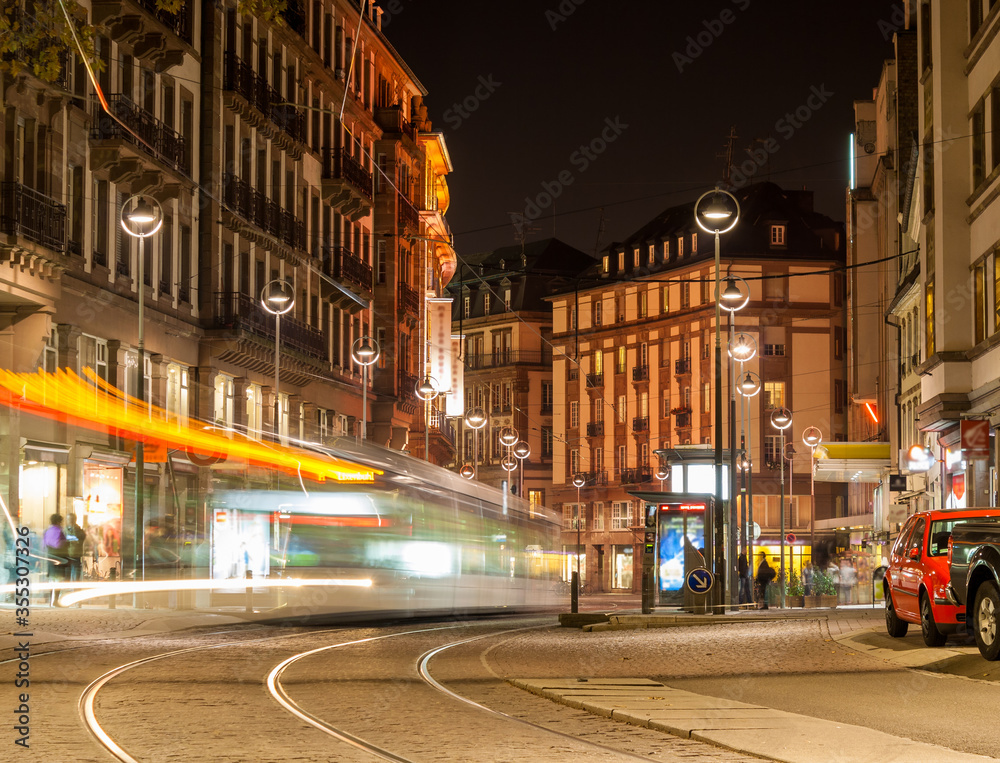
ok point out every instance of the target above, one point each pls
(790, 537)
(976, 438)
(958, 485)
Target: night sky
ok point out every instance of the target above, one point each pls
(627, 106)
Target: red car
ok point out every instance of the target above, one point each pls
(917, 579)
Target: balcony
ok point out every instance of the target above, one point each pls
(637, 475)
(262, 213)
(347, 186)
(595, 429)
(682, 366)
(123, 146)
(501, 358)
(29, 214)
(409, 302)
(594, 479)
(242, 313)
(352, 272)
(682, 420)
(391, 120)
(262, 105)
(409, 218)
(406, 388)
(640, 424)
(595, 381)
(162, 37)
(640, 374)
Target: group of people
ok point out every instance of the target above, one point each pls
(753, 589)
(64, 548)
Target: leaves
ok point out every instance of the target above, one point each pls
(36, 38)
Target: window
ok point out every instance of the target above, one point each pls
(706, 398)
(622, 409)
(979, 279)
(620, 360)
(621, 262)
(774, 349)
(223, 404)
(570, 513)
(772, 448)
(666, 403)
(546, 442)
(694, 243)
(621, 515)
(598, 516)
(255, 410)
(506, 299)
(536, 500)
(486, 303)
(606, 264)
(50, 355)
(380, 266)
(546, 396)
(598, 460)
(598, 362)
(651, 255)
(774, 287)
(685, 295)
(995, 120)
(777, 235)
(620, 462)
(597, 311)
(598, 411)
(978, 145)
(774, 394)
(680, 246)
(574, 461)
(466, 306)
(574, 413)
(93, 354)
(572, 318)
(706, 290)
(666, 298)
(641, 310)
(666, 251)
(635, 258)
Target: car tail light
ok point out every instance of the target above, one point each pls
(950, 548)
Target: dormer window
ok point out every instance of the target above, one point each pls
(680, 246)
(652, 255)
(777, 235)
(666, 251)
(635, 258)
(694, 243)
(606, 264)
(621, 262)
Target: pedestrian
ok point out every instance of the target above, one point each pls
(75, 536)
(743, 568)
(55, 550)
(807, 579)
(765, 574)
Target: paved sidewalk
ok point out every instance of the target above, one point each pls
(772, 734)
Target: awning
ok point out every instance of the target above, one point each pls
(45, 452)
(852, 462)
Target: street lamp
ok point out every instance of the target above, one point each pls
(574, 605)
(365, 352)
(521, 452)
(278, 298)
(742, 348)
(475, 419)
(749, 386)
(812, 438)
(781, 419)
(141, 217)
(427, 390)
(718, 215)
(732, 299)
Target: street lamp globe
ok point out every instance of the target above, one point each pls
(781, 418)
(467, 471)
(579, 481)
(522, 450)
(743, 347)
(141, 216)
(749, 385)
(427, 389)
(509, 463)
(476, 418)
(277, 297)
(508, 436)
(812, 437)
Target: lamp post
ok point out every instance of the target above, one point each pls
(508, 437)
(781, 419)
(141, 217)
(365, 351)
(278, 298)
(475, 419)
(749, 386)
(427, 390)
(733, 299)
(521, 452)
(743, 347)
(574, 604)
(717, 216)
(812, 438)
(661, 474)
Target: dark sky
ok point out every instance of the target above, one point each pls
(652, 87)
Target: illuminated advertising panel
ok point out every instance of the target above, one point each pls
(439, 334)
(681, 539)
(456, 398)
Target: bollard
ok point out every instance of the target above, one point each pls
(112, 576)
(249, 576)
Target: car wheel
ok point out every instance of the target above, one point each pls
(984, 624)
(928, 628)
(896, 628)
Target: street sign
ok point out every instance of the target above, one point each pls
(756, 531)
(790, 538)
(699, 580)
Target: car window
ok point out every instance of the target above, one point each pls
(916, 540)
(902, 540)
(941, 531)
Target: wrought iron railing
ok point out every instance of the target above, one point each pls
(409, 302)
(240, 78)
(408, 216)
(640, 373)
(26, 212)
(137, 126)
(340, 165)
(595, 428)
(178, 22)
(636, 475)
(340, 263)
(595, 380)
(406, 386)
(256, 208)
(682, 366)
(235, 310)
(640, 424)
(390, 119)
(682, 420)
(509, 358)
(595, 478)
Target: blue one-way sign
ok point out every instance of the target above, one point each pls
(700, 580)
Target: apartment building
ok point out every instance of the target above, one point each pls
(296, 150)
(633, 370)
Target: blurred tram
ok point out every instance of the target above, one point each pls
(407, 539)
